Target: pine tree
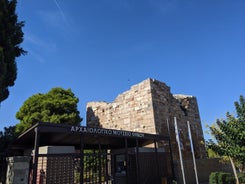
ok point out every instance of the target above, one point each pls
(11, 36)
(56, 106)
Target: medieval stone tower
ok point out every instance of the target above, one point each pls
(150, 107)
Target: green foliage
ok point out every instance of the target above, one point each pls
(11, 36)
(56, 106)
(91, 165)
(225, 178)
(212, 154)
(230, 135)
(6, 137)
(241, 177)
(174, 182)
(213, 178)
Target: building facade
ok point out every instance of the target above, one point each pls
(150, 107)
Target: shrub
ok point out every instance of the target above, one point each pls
(241, 177)
(213, 178)
(227, 178)
(221, 178)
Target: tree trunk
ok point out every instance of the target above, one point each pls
(234, 170)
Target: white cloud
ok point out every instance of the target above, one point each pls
(40, 44)
(60, 11)
(35, 56)
(55, 17)
(37, 47)
(56, 20)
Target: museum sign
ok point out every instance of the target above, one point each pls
(102, 131)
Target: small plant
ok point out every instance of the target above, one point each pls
(241, 177)
(174, 182)
(213, 178)
(225, 178)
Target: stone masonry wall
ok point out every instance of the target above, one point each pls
(150, 107)
(131, 110)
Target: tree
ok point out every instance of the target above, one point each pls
(11, 36)
(230, 136)
(6, 137)
(56, 106)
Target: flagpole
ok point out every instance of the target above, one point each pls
(192, 151)
(170, 149)
(180, 153)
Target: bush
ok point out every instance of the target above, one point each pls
(213, 178)
(241, 177)
(221, 178)
(226, 178)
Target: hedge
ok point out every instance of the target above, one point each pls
(225, 178)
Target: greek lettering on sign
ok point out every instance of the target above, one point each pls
(80, 129)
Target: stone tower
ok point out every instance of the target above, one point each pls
(150, 107)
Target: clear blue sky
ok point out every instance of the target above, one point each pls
(99, 48)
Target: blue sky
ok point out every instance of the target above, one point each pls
(99, 48)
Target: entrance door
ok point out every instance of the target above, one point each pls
(120, 169)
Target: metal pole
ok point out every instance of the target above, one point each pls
(170, 149)
(106, 166)
(81, 158)
(100, 166)
(180, 153)
(36, 152)
(192, 151)
(157, 161)
(137, 161)
(127, 160)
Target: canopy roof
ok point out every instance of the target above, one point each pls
(51, 134)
